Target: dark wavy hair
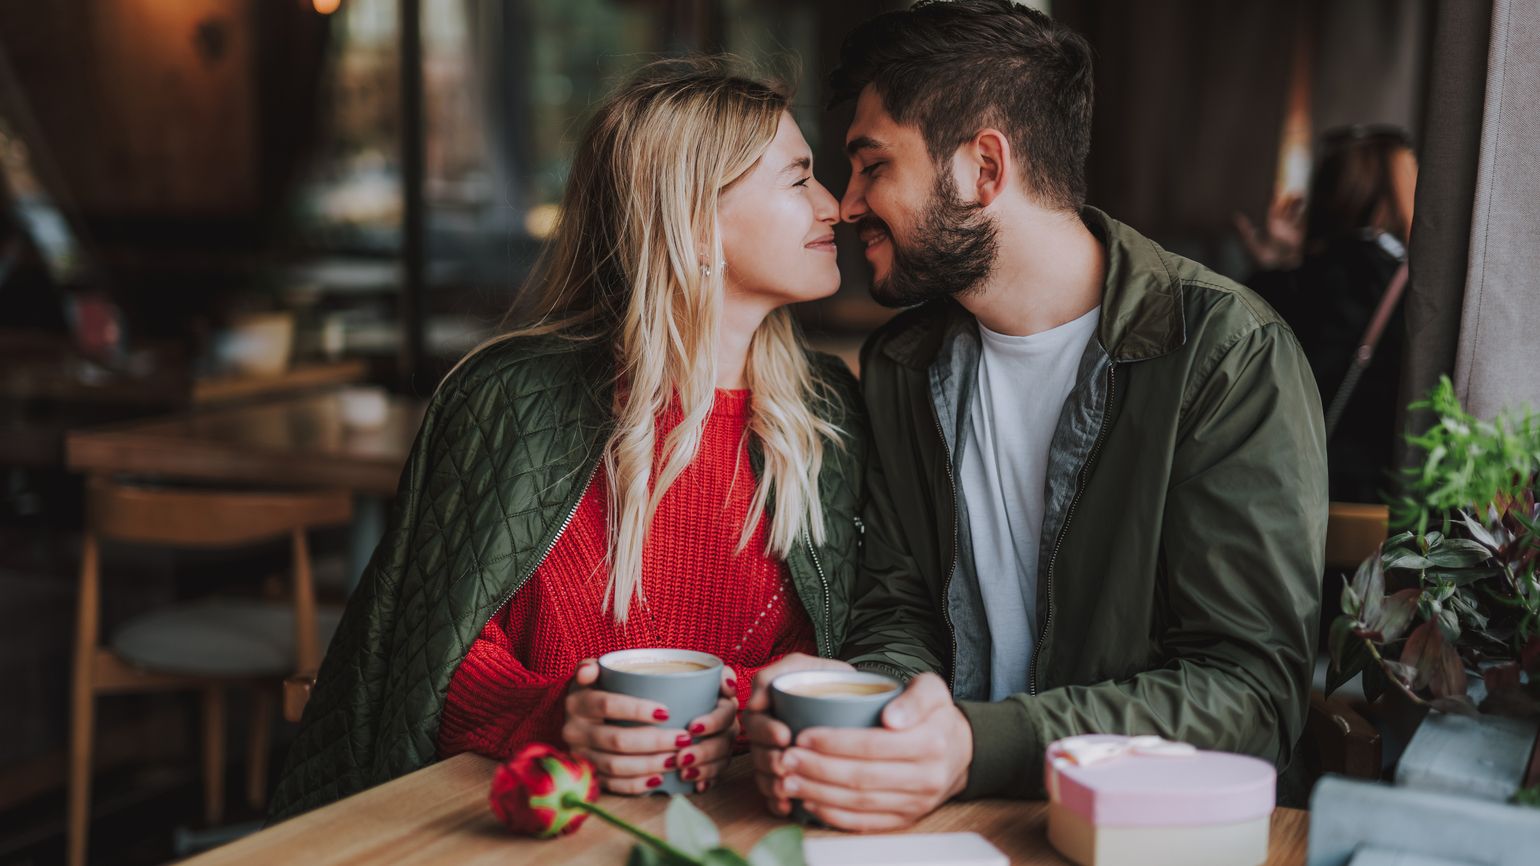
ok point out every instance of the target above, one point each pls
(953, 67)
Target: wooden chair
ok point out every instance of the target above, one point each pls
(206, 645)
(1341, 739)
(1353, 531)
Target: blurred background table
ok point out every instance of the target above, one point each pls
(439, 815)
(298, 441)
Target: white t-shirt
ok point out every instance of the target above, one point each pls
(1021, 388)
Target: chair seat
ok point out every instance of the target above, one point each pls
(219, 637)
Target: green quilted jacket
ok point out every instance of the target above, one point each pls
(506, 449)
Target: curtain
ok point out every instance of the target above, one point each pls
(1498, 352)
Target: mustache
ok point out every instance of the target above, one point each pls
(871, 224)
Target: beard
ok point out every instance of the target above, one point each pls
(952, 252)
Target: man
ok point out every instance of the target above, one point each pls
(1097, 495)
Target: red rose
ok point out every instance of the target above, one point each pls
(538, 792)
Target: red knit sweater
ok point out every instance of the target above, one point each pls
(700, 595)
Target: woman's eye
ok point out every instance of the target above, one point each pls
(803, 182)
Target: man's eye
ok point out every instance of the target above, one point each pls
(872, 168)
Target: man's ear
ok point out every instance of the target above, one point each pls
(989, 157)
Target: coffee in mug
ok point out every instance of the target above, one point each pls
(664, 666)
(838, 689)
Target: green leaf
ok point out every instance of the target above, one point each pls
(1408, 560)
(1395, 615)
(643, 854)
(1369, 586)
(1459, 553)
(779, 847)
(1355, 660)
(1478, 531)
(723, 857)
(1337, 643)
(689, 829)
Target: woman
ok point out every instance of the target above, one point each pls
(652, 458)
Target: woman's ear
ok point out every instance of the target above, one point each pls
(989, 156)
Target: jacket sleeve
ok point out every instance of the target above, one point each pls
(332, 754)
(894, 627)
(1243, 536)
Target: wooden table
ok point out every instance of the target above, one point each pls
(297, 441)
(439, 815)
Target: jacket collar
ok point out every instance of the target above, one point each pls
(1141, 317)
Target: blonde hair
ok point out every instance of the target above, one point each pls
(624, 266)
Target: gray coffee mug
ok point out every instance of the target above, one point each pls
(687, 694)
(802, 711)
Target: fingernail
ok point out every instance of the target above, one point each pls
(687, 760)
(660, 714)
(790, 786)
(898, 719)
(788, 761)
(697, 728)
(690, 773)
(671, 763)
(732, 685)
(683, 740)
(654, 782)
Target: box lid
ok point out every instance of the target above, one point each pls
(1121, 781)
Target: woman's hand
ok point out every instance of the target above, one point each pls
(634, 760)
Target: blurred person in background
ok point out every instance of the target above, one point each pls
(1325, 263)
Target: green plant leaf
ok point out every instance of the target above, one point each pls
(1395, 615)
(780, 847)
(1459, 553)
(1478, 531)
(1337, 642)
(1369, 587)
(1355, 660)
(689, 829)
(1409, 561)
(643, 854)
(1415, 654)
(723, 857)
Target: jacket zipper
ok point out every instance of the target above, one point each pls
(1069, 514)
(560, 530)
(946, 585)
(818, 567)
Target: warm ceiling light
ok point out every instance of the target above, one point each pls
(326, 7)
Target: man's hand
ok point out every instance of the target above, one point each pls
(768, 737)
(886, 778)
(634, 760)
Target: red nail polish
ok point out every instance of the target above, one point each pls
(732, 685)
(683, 740)
(654, 782)
(670, 763)
(697, 728)
(687, 760)
(660, 714)
(690, 773)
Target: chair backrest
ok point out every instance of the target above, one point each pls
(1353, 531)
(210, 519)
(207, 518)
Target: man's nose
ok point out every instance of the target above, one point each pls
(853, 202)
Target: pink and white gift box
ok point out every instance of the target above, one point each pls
(1117, 800)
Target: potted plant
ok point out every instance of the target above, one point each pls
(1454, 596)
